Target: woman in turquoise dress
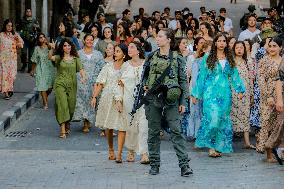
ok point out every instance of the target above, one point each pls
(42, 69)
(217, 74)
(92, 61)
(68, 64)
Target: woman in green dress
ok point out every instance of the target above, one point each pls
(68, 64)
(42, 69)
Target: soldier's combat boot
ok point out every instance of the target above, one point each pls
(186, 171)
(154, 170)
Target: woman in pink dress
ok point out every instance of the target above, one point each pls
(9, 42)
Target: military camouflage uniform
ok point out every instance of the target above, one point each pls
(157, 108)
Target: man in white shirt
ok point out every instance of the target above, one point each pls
(228, 24)
(173, 23)
(251, 31)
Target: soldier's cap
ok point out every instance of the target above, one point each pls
(251, 8)
(267, 18)
(100, 14)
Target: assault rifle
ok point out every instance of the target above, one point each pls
(139, 93)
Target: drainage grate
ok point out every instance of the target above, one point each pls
(17, 134)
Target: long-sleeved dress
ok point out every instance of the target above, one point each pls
(92, 64)
(8, 61)
(268, 71)
(241, 108)
(137, 132)
(213, 87)
(107, 116)
(45, 71)
(255, 108)
(195, 109)
(65, 87)
(276, 137)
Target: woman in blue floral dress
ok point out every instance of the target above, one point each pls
(92, 61)
(216, 76)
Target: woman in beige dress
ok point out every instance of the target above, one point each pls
(137, 132)
(268, 71)
(109, 115)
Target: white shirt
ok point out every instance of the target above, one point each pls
(89, 56)
(223, 63)
(173, 25)
(228, 25)
(246, 34)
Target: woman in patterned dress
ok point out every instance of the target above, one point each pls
(192, 66)
(42, 69)
(268, 71)
(92, 61)
(109, 112)
(276, 138)
(241, 108)
(9, 42)
(217, 76)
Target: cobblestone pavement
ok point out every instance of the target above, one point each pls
(42, 160)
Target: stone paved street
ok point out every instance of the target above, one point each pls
(42, 160)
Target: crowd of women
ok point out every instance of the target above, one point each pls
(233, 85)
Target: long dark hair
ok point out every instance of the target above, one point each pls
(6, 22)
(139, 48)
(170, 35)
(245, 50)
(37, 38)
(208, 27)
(196, 41)
(125, 27)
(73, 51)
(178, 41)
(212, 58)
(124, 49)
(103, 34)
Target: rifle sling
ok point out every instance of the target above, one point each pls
(160, 79)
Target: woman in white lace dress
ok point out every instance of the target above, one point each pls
(109, 115)
(137, 132)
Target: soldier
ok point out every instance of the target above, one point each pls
(29, 28)
(168, 101)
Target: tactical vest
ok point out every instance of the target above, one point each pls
(158, 64)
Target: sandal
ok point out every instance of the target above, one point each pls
(214, 154)
(277, 158)
(118, 159)
(6, 97)
(102, 134)
(131, 156)
(62, 135)
(249, 147)
(145, 159)
(67, 128)
(271, 160)
(111, 155)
